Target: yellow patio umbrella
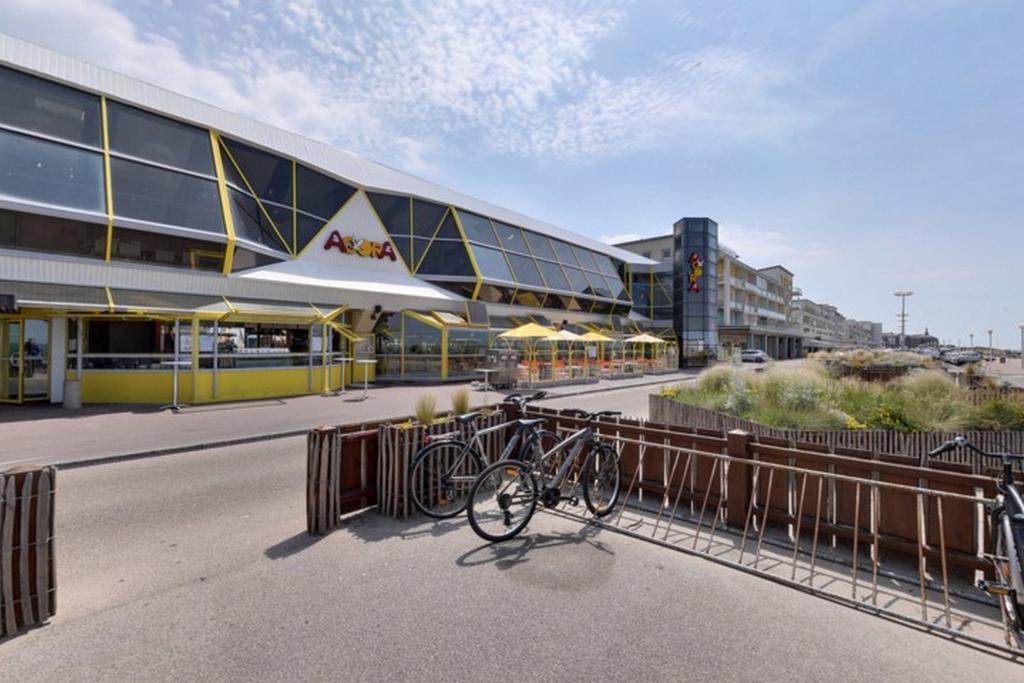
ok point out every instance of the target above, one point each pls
(527, 332)
(566, 336)
(600, 339)
(642, 338)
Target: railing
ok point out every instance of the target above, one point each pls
(890, 539)
(872, 443)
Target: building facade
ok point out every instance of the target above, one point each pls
(824, 328)
(152, 245)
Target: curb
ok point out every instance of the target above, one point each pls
(238, 441)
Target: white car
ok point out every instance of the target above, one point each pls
(754, 356)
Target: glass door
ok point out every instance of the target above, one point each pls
(10, 361)
(35, 372)
(24, 360)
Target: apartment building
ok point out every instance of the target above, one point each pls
(755, 308)
(825, 328)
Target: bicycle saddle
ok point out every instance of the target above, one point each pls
(467, 418)
(532, 422)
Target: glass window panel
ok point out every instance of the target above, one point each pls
(393, 211)
(404, 247)
(269, 175)
(525, 297)
(511, 237)
(564, 252)
(283, 218)
(477, 313)
(50, 173)
(578, 280)
(449, 230)
(554, 276)
(617, 288)
(605, 265)
(525, 270)
(493, 294)
(492, 264)
(478, 228)
(445, 258)
(320, 195)
(306, 228)
(166, 250)
(600, 284)
(539, 245)
(603, 307)
(585, 257)
(426, 216)
(155, 138)
(43, 107)
(250, 222)
(33, 232)
(245, 259)
(153, 194)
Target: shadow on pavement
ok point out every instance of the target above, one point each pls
(292, 546)
(508, 554)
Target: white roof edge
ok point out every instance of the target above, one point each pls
(347, 166)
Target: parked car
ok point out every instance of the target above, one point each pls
(754, 356)
(965, 357)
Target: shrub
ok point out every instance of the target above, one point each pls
(460, 401)
(426, 408)
(997, 414)
(738, 400)
(715, 379)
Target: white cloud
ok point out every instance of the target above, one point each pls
(762, 248)
(406, 82)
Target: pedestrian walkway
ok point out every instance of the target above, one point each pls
(51, 434)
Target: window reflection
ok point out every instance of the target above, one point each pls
(45, 107)
(37, 170)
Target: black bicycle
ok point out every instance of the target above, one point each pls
(1006, 517)
(505, 495)
(443, 471)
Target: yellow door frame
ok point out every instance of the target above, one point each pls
(20, 320)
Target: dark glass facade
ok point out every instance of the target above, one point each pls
(695, 289)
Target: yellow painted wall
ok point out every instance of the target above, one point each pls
(270, 383)
(132, 387)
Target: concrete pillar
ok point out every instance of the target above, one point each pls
(58, 343)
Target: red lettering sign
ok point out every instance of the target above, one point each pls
(359, 247)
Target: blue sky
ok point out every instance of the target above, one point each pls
(868, 146)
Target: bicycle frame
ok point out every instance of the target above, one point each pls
(578, 439)
(476, 441)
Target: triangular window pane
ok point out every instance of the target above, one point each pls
(402, 244)
(446, 257)
(393, 212)
(448, 229)
(318, 194)
(306, 229)
(426, 216)
(270, 176)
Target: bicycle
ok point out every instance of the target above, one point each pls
(505, 495)
(1006, 517)
(443, 471)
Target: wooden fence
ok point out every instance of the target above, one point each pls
(872, 442)
(986, 394)
(28, 578)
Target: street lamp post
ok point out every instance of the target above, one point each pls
(989, 343)
(1022, 345)
(903, 315)
(971, 335)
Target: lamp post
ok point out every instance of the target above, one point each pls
(903, 315)
(989, 343)
(1021, 344)
(971, 335)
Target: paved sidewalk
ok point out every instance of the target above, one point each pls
(50, 434)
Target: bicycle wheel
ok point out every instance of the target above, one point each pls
(441, 476)
(602, 481)
(1006, 569)
(502, 501)
(535, 446)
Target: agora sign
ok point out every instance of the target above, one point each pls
(359, 247)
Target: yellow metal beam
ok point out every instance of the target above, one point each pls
(295, 207)
(225, 207)
(106, 178)
(249, 187)
(469, 251)
(110, 299)
(331, 220)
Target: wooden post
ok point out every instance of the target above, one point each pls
(738, 479)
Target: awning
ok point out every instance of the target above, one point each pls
(41, 295)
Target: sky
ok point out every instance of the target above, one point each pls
(867, 146)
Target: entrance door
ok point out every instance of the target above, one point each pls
(24, 360)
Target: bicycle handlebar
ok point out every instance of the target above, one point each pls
(962, 442)
(590, 417)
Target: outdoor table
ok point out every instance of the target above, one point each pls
(175, 365)
(343, 361)
(366, 375)
(486, 372)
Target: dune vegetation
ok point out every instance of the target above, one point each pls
(809, 396)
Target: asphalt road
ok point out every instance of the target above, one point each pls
(197, 567)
